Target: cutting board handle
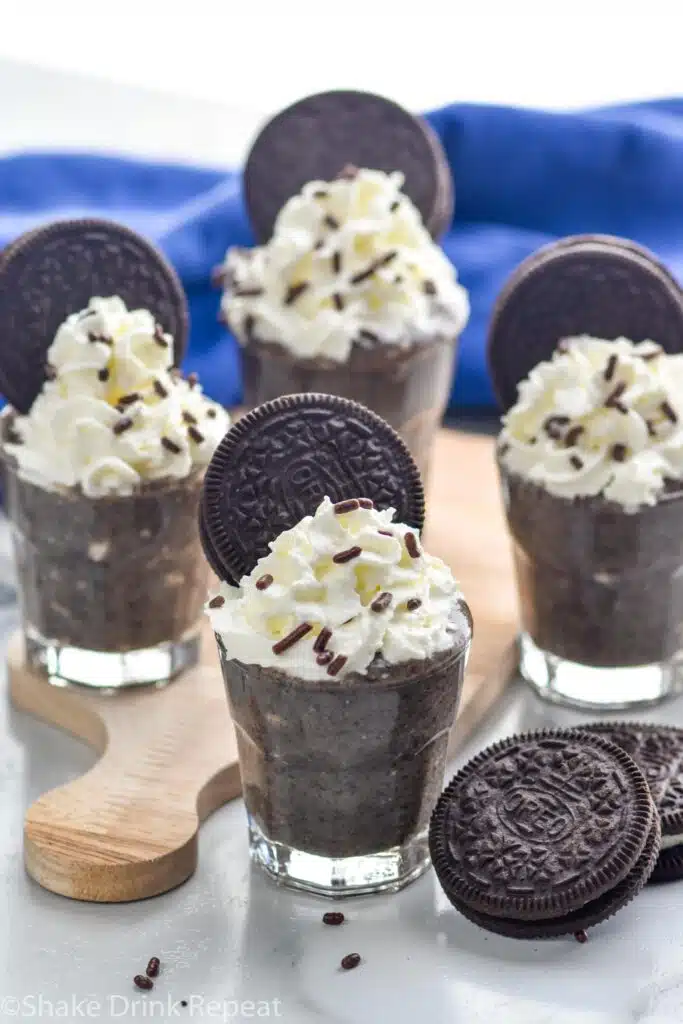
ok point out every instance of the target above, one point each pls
(128, 828)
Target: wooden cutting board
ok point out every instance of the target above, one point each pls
(167, 757)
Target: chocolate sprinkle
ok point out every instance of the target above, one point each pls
(170, 445)
(337, 665)
(612, 400)
(263, 582)
(322, 640)
(576, 462)
(292, 638)
(573, 435)
(12, 435)
(324, 658)
(611, 367)
(320, 193)
(102, 338)
(333, 917)
(331, 222)
(429, 288)
(366, 335)
(650, 428)
(338, 301)
(248, 326)
(188, 417)
(412, 546)
(619, 452)
(159, 336)
(654, 354)
(103, 374)
(346, 556)
(350, 961)
(196, 435)
(366, 503)
(217, 601)
(413, 604)
(553, 426)
(125, 423)
(192, 380)
(294, 291)
(50, 372)
(346, 506)
(247, 293)
(142, 982)
(581, 936)
(669, 412)
(211, 413)
(336, 262)
(381, 602)
(153, 967)
(395, 205)
(129, 399)
(377, 264)
(386, 533)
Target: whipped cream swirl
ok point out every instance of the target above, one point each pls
(350, 264)
(600, 418)
(113, 412)
(341, 587)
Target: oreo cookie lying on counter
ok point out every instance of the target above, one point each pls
(318, 136)
(583, 284)
(658, 752)
(53, 271)
(276, 464)
(545, 834)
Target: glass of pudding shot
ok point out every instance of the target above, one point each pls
(102, 478)
(343, 653)
(591, 463)
(352, 297)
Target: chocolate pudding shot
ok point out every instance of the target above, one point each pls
(352, 297)
(591, 461)
(343, 653)
(102, 473)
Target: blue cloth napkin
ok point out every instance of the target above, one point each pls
(523, 177)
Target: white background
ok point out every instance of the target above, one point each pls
(212, 70)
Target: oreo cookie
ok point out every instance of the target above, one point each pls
(209, 550)
(658, 752)
(316, 137)
(53, 271)
(277, 463)
(584, 284)
(545, 834)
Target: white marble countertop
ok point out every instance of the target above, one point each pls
(235, 947)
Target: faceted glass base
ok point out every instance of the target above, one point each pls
(104, 670)
(595, 689)
(340, 877)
